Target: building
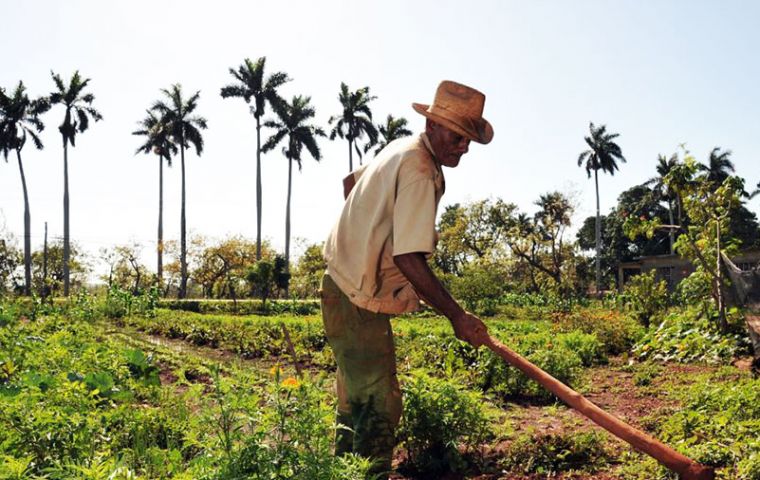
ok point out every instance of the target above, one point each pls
(674, 268)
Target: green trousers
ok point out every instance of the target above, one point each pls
(369, 398)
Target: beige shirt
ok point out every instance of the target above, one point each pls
(390, 211)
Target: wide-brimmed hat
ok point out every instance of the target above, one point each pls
(458, 108)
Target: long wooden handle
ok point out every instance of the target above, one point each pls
(686, 468)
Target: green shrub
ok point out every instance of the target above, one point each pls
(645, 373)
(686, 336)
(292, 438)
(554, 453)
(440, 417)
(718, 425)
(645, 298)
(616, 331)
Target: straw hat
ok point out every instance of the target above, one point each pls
(458, 108)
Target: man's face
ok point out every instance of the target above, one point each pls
(448, 146)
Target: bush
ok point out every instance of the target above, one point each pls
(440, 417)
(645, 297)
(617, 332)
(686, 336)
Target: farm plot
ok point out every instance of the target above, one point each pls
(185, 395)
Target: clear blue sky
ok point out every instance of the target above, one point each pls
(660, 73)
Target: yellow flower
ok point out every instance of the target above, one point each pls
(274, 370)
(290, 382)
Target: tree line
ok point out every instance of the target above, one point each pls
(172, 126)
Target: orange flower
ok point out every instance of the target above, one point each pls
(290, 382)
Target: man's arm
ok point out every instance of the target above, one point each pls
(467, 327)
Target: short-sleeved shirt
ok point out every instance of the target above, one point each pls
(390, 211)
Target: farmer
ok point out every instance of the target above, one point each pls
(376, 266)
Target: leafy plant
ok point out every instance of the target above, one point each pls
(439, 418)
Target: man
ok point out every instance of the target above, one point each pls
(376, 267)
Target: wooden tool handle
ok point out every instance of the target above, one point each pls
(686, 468)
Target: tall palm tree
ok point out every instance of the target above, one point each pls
(79, 111)
(601, 155)
(354, 121)
(183, 127)
(293, 123)
(19, 120)
(251, 85)
(664, 167)
(393, 129)
(158, 141)
(719, 166)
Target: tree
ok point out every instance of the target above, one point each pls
(10, 259)
(308, 272)
(393, 129)
(78, 112)
(708, 207)
(292, 124)
(184, 130)
(601, 155)
(354, 121)
(221, 266)
(19, 120)
(638, 201)
(251, 85)
(660, 189)
(158, 141)
(719, 166)
(128, 272)
(54, 280)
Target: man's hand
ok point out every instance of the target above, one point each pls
(467, 327)
(470, 329)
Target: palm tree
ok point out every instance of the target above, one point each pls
(158, 141)
(251, 85)
(292, 123)
(719, 166)
(183, 130)
(19, 120)
(393, 129)
(354, 121)
(79, 110)
(664, 167)
(601, 155)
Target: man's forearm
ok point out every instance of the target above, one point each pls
(415, 268)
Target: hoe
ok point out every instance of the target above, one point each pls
(686, 468)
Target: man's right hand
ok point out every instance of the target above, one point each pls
(470, 329)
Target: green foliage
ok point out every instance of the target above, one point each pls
(718, 425)
(553, 453)
(292, 438)
(443, 424)
(645, 373)
(645, 297)
(616, 331)
(480, 286)
(685, 335)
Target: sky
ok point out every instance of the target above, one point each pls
(659, 73)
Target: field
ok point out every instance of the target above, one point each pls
(98, 389)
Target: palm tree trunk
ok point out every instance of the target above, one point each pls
(350, 157)
(258, 189)
(287, 220)
(66, 245)
(44, 292)
(671, 233)
(598, 235)
(182, 231)
(27, 231)
(160, 247)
